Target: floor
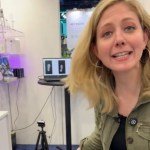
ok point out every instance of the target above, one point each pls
(51, 147)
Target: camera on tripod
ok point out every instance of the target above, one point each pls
(41, 143)
(41, 124)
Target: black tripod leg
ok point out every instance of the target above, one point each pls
(37, 141)
(44, 142)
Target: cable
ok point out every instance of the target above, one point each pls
(54, 116)
(10, 110)
(17, 104)
(62, 117)
(38, 113)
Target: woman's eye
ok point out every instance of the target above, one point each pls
(129, 28)
(107, 34)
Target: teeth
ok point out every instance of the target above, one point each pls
(121, 54)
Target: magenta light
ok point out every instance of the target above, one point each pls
(14, 60)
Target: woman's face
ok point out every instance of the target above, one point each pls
(120, 39)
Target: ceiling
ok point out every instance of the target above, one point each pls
(79, 4)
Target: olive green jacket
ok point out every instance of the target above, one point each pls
(137, 136)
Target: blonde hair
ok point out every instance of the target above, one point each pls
(87, 74)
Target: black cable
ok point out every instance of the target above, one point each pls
(38, 113)
(59, 148)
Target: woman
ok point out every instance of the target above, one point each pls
(111, 65)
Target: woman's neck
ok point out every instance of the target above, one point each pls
(128, 81)
(128, 86)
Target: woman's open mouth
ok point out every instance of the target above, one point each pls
(122, 54)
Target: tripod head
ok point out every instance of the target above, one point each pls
(41, 124)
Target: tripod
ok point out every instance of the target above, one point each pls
(44, 144)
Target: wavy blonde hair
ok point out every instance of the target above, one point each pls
(88, 74)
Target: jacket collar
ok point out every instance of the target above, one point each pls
(143, 99)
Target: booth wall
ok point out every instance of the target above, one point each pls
(39, 22)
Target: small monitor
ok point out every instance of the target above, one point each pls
(56, 68)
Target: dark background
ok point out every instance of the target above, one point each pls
(79, 4)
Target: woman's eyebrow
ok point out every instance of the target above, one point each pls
(108, 24)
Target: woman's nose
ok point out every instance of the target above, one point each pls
(120, 40)
(120, 43)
